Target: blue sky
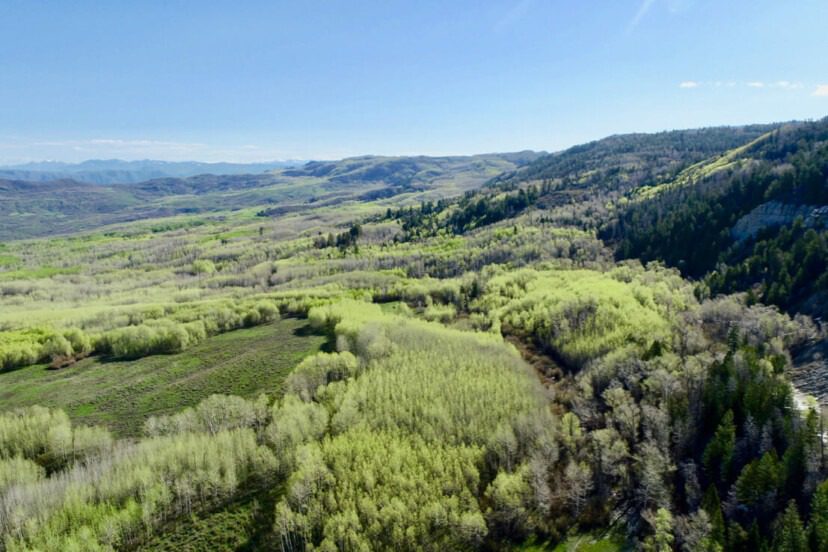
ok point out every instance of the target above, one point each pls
(250, 81)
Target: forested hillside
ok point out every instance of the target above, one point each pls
(693, 225)
(580, 354)
(47, 207)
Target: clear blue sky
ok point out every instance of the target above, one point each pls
(259, 80)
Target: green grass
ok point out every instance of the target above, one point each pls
(8, 260)
(122, 394)
(37, 273)
(700, 170)
(244, 524)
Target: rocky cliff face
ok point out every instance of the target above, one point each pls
(775, 213)
(809, 372)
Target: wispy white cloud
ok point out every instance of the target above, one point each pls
(643, 8)
(678, 6)
(515, 14)
(787, 85)
(821, 90)
(780, 84)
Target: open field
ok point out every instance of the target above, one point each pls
(122, 394)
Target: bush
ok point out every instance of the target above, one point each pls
(203, 266)
(214, 414)
(319, 370)
(80, 342)
(19, 471)
(47, 437)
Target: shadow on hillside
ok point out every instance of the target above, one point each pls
(307, 330)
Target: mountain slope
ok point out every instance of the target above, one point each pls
(116, 171)
(29, 209)
(738, 225)
(626, 161)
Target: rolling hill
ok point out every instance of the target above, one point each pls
(597, 347)
(115, 171)
(29, 209)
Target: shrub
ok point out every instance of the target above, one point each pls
(319, 370)
(203, 266)
(57, 346)
(214, 414)
(19, 471)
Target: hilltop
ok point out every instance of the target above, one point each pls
(48, 207)
(116, 171)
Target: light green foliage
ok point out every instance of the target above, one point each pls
(320, 370)
(79, 341)
(509, 497)
(183, 329)
(584, 314)
(584, 543)
(203, 266)
(440, 313)
(28, 346)
(366, 490)
(22, 347)
(19, 471)
(571, 431)
(109, 502)
(8, 260)
(145, 339)
(57, 346)
(214, 414)
(445, 385)
(31, 432)
(48, 438)
(411, 431)
(295, 423)
(412, 435)
(151, 330)
(662, 538)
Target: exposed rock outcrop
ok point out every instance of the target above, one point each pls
(809, 373)
(775, 213)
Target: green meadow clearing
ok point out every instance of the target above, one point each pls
(122, 394)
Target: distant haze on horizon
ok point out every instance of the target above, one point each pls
(265, 81)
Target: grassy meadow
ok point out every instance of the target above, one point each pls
(122, 394)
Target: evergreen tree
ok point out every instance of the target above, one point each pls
(818, 526)
(718, 455)
(789, 534)
(713, 506)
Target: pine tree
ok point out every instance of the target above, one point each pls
(818, 526)
(790, 536)
(718, 456)
(713, 506)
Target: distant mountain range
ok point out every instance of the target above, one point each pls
(117, 171)
(49, 205)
